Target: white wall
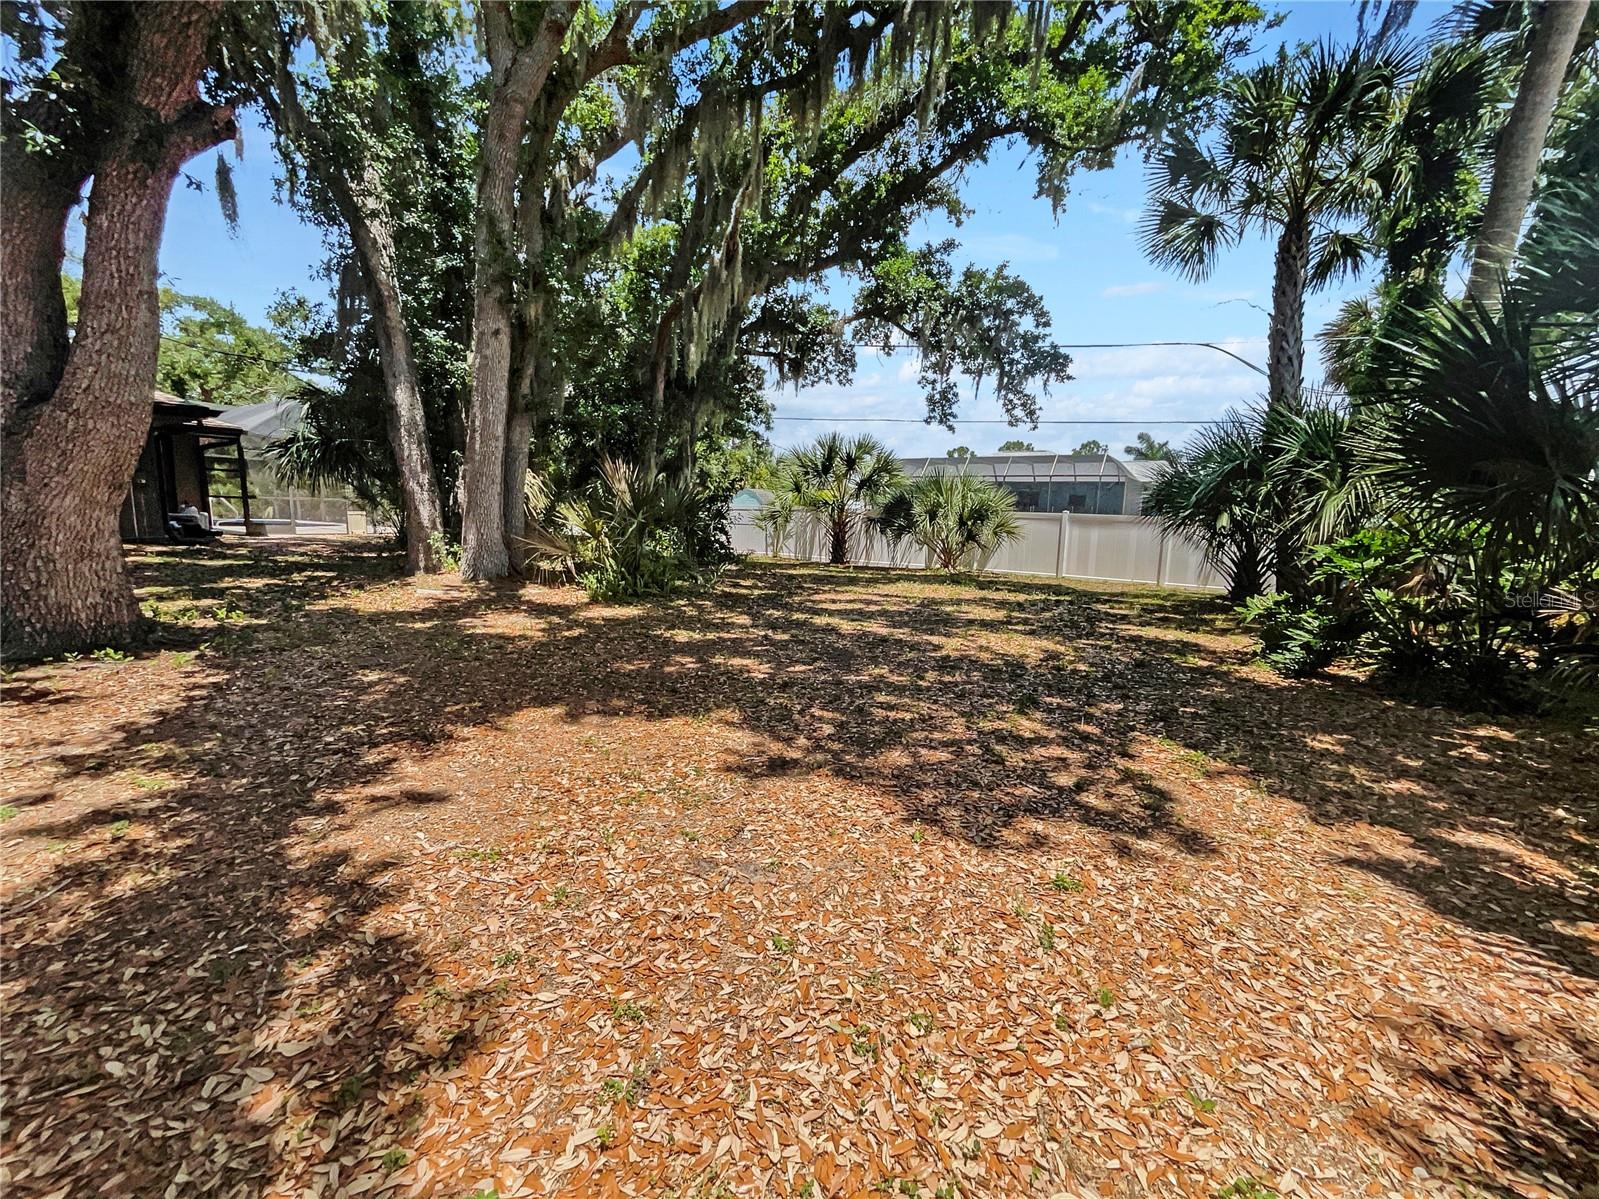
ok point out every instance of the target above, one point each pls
(1121, 549)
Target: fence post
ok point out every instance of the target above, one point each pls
(1060, 545)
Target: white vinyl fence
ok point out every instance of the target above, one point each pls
(1064, 545)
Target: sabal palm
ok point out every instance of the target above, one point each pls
(954, 517)
(1217, 492)
(835, 477)
(1298, 155)
(1263, 486)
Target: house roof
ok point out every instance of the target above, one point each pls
(1038, 466)
(169, 410)
(1145, 471)
(269, 419)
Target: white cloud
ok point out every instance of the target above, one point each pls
(1134, 289)
(1127, 216)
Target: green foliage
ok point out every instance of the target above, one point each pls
(959, 519)
(835, 477)
(1090, 448)
(625, 537)
(211, 354)
(1298, 636)
(1147, 449)
(980, 325)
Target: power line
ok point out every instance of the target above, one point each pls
(284, 363)
(845, 420)
(859, 345)
(1091, 345)
(914, 420)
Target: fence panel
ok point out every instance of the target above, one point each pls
(1035, 552)
(1121, 549)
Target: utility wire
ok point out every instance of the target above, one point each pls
(916, 420)
(1092, 345)
(287, 364)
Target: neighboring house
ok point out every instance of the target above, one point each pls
(1041, 481)
(191, 472)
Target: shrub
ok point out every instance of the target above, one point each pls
(1298, 637)
(959, 519)
(627, 537)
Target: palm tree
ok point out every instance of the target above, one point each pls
(1263, 484)
(1147, 449)
(956, 518)
(835, 477)
(1521, 142)
(1217, 492)
(1299, 142)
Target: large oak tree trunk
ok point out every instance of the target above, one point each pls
(33, 313)
(1521, 144)
(360, 197)
(69, 457)
(517, 73)
(407, 421)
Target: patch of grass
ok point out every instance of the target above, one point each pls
(1105, 997)
(1200, 1102)
(395, 1159)
(1063, 1022)
(862, 1041)
(109, 655)
(690, 835)
(782, 944)
(507, 958)
(349, 1092)
(1065, 882)
(1245, 1187)
(119, 829)
(605, 1136)
(918, 834)
(560, 896)
(491, 854)
(1046, 936)
(7, 812)
(922, 1022)
(625, 1011)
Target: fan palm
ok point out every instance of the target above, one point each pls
(1297, 153)
(1218, 493)
(957, 518)
(835, 477)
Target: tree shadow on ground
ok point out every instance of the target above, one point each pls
(987, 711)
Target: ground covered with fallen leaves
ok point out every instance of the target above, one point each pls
(826, 882)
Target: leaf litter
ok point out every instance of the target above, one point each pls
(827, 882)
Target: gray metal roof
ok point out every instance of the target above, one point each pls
(1033, 467)
(268, 420)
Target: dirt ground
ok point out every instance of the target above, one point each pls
(827, 882)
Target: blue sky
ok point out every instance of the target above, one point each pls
(1086, 264)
